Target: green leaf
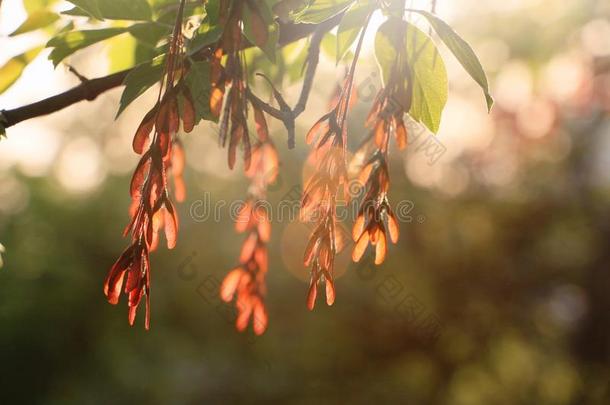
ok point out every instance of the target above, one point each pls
(121, 53)
(12, 70)
(318, 11)
(207, 34)
(140, 79)
(285, 8)
(462, 51)
(36, 20)
(398, 40)
(66, 28)
(66, 44)
(351, 24)
(89, 7)
(212, 11)
(295, 57)
(144, 53)
(272, 70)
(112, 9)
(149, 33)
(167, 15)
(260, 28)
(198, 81)
(34, 5)
(328, 46)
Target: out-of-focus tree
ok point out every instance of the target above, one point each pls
(496, 291)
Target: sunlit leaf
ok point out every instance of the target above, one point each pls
(275, 71)
(462, 51)
(149, 33)
(66, 28)
(140, 79)
(35, 5)
(12, 70)
(112, 9)
(260, 27)
(89, 7)
(36, 20)
(284, 8)
(212, 11)
(351, 24)
(329, 47)
(427, 69)
(295, 56)
(321, 10)
(167, 14)
(206, 34)
(144, 53)
(121, 52)
(66, 44)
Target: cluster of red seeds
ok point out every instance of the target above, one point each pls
(375, 221)
(151, 208)
(325, 186)
(229, 89)
(375, 217)
(229, 102)
(322, 190)
(247, 280)
(155, 139)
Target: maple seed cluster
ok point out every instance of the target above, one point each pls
(228, 99)
(376, 221)
(151, 208)
(325, 186)
(319, 197)
(229, 102)
(247, 280)
(162, 154)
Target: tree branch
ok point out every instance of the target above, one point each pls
(91, 89)
(312, 65)
(87, 90)
(286, 114)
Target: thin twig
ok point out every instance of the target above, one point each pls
(85, 91)
(80, 77)
(286, 114)
(312, 64)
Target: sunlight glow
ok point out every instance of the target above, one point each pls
(80, 167)
(32, 148)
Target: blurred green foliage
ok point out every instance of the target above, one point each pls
(516, 276)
